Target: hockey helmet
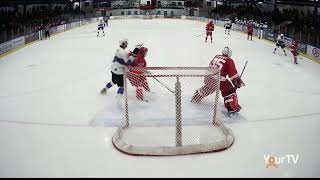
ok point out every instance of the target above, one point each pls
(135, 51)
(227, 52)
(123, 41)
(143, 51)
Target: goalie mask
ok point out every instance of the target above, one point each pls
(227, 52)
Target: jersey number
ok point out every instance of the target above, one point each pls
(217, 62)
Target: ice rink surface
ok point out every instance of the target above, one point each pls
(54, 122)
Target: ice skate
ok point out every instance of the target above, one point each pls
(103, 91)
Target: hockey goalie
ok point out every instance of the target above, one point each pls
(139, 82)
(227, 87)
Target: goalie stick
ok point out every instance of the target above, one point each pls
(235, 85)
(243, 69)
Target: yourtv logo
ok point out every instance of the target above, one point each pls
(273, 161)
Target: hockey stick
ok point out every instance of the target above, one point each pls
(139, 45)
(200, 35)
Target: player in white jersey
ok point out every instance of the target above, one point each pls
(101, 26)
(263, 29)
(280, 43)
(227, 25)
(120, 62)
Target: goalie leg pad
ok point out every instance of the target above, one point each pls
(209, 87)
(196, 97)
(201, 93)
(205, 91)
(231, 103)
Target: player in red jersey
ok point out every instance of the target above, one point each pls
(209, 29)
(140, 82)
(228, 88)
(250, 29)
(294, 50)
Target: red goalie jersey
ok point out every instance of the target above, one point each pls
(227, 68)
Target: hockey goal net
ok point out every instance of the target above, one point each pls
(167, 121)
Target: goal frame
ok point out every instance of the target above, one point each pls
(179, 148)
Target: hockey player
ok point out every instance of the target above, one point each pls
(209, 29)
(101, 26)
(250, 29)
(47, 31)
(294, 50)
(227, 25)
(280, 43)
(228, 89)
(106, 21)
(263, 28)
(121, 61)
(260, 30)
(140, 82)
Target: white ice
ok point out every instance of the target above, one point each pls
(49, 98)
